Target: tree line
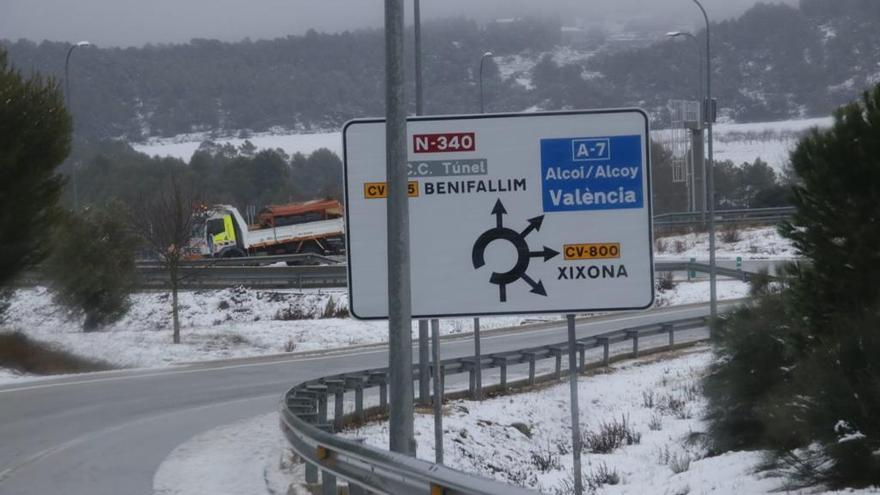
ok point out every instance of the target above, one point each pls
(774, 62)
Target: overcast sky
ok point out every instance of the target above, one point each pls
(137, 22)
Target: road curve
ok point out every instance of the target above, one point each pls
(106, 433)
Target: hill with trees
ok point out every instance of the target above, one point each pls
(774, 62)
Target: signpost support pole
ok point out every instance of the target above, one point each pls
(399, 303)
(438, 392)
(478, 369)
(575, 414)
(424, 362)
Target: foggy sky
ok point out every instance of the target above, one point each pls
(137, 22)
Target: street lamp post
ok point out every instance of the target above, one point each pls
(67, 102)
(483, 59)
(708, 112)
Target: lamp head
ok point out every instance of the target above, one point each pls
(83, 43)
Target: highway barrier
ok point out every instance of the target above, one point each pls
(307, 426)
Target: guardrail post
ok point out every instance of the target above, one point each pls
(670, 329)
(322, 409)
(472, 381)
(383, 396)
(634, 335)
(359, 404)
(328, 484)
(503, 365)
(531, 368)
(311, 473)
(557, 373)
(606, 351)
(338, 414)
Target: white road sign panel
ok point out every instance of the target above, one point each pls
(509, 214)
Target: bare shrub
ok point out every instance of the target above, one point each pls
(730, 234)
(611, 436)
(665, 282)
(292, 313)
(601, 476)
(332, 310)
(660, 245)
(680, 246)
(648, 399)
(546, 460)
(290, 346)
(678, 462)
(656, 423)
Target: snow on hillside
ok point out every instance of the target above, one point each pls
(769, 141)
(753, 244)
(525, 439)
(184, 146)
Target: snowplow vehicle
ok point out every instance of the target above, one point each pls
(311, 227)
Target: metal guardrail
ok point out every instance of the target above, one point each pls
(766, 216)
(305, 423)
(302, 259)
(210, 276)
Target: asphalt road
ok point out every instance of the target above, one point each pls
(106, 433)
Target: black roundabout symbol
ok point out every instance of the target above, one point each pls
(518, 239)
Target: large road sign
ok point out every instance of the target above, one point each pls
(509, 214)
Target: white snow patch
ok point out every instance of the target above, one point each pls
(185, 145)
(215, 324)
(660, 400)
(754, 244)
(697, 292)
(244, 458)
(769, 141)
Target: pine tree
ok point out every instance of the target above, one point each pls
(91, 268)
(34, 140)
(799, 369)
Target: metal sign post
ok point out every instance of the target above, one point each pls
(398, 304)
(575, 413)
(438, 392)
(510, 214)
(424, 358)
(478, 371)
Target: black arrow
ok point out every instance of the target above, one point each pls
(534, 224)
(499, 210)
(537, 288)
(547, 253)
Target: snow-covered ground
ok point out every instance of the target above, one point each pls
(242, 322)
(215, 324)
(770, 141)
(526, 439)
(754, 244)
(185, 145)
(255, 447)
